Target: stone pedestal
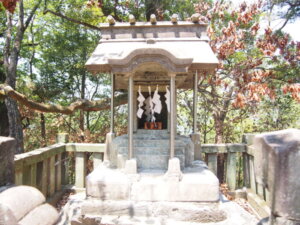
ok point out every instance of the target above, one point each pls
(197, 184)
(197, 146)
(131, 166)
(7, 152)
(277, 158)
(174, 172)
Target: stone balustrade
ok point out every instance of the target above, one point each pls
(51, 168)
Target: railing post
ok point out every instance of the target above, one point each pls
(45, 177)
(65, 169)
(231, 170)
(62, 138)
(252, 175)
(19, 177)
(33, 175)
(51, 176)
(58, 173)
(212, 162)
(246, 170)
(80, 169)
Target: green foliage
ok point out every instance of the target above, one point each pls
(51, 70)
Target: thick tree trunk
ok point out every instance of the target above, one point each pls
(219, 130)
(15, 125)
(4, 126)
(11, 55)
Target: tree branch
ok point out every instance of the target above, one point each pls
(85, 105)
(71, 19)
(31, 14)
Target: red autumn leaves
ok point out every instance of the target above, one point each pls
(9, 5)
(251, 77)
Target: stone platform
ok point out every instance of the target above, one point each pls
(81, 210)
(197, 184)
(152, 149)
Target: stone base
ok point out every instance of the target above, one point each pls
(131, 166)
(82, 211)
(174, 173)
(198, 184)
(200, 212)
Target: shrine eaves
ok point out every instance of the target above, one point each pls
(149, 51)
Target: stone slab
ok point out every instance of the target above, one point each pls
(44, 214)
(21, 200)
(7, 152)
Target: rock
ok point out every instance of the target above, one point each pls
(21, 200)
(277, 156)
(44, 214)
(6, 216)
(7, 152)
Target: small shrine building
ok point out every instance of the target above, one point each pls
(153, 56)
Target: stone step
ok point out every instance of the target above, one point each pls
(144, 143)
(146, 161)
(147, 150)
(154, 132)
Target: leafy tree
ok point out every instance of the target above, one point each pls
(249, 66)
(290, 12)
(12, 46)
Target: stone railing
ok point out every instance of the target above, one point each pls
(51, 168)
(239, 166)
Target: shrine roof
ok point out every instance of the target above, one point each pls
(180, 47)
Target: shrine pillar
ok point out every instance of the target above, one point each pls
(172, 115)
(130, 117)
(112, 108)
(111, 135)
(196, 135)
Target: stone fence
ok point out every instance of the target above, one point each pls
(51, 168)
(239, 170)
(54, 168)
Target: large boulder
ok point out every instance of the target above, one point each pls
(24, 205)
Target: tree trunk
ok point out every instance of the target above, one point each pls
(15, 125)
(43, 129)
(219, 130)
(219, 125)
(10, 65)
(4, 126)
(11, 54)
(81, 116)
